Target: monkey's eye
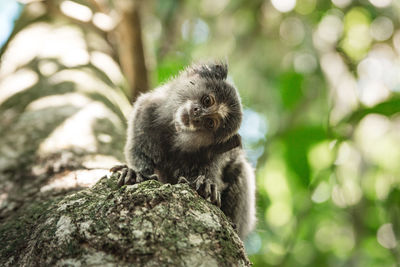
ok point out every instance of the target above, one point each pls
(207, 101)
(210, 123)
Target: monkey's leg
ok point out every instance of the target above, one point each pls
(238, 198)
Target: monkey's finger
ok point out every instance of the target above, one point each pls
(122, 176)
(218, 202)
(118, 168)
(199, 182)
(182, 180)
(207, 189)
(153, 177)
(140, 178)
(214, 194)
(121, 180)
(200, 187)
(130, 177)
(202, 191)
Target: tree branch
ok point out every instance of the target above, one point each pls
(147, 224)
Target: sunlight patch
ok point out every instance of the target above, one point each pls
(17, 82)
(76, 11)
(69, 180)
(77, 130)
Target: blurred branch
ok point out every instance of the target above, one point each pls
(130, 47)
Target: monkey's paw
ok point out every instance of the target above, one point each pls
(207, 189)
(128, 176)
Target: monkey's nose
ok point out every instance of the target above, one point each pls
(196, 110)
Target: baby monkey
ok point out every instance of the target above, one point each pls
(187, 131)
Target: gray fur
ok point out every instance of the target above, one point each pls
(169, 135)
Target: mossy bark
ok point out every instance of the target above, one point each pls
(147, 224)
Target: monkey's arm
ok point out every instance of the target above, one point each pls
(142, 148)
(208, 183)
(238, 198)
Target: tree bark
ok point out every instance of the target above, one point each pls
(146, 224)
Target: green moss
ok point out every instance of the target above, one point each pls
(73, 249)
(16, 231)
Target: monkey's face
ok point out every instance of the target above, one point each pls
(200, 115)
(208, 111)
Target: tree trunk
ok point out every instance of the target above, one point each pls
(130, 48)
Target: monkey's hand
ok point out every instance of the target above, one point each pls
(128, 176)
(207, 189)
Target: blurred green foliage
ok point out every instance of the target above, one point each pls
(323, 79)
(324, 198)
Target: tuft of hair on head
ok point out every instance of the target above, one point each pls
(213, 70)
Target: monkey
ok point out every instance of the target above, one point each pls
(187, 131)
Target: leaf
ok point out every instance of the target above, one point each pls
(290, 87)
(298, 142)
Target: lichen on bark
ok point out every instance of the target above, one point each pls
(147, 224)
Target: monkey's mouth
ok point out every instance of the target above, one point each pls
(187, 123)
(184, 122)
(185, 119)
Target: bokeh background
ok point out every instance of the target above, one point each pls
(319, 81)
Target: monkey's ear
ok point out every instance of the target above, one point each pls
(231, 143)
(215, 70)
